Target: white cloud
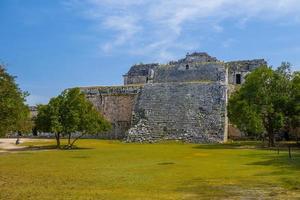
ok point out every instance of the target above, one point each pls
(125, 27)
(156, 26)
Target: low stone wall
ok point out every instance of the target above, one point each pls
(193, 112)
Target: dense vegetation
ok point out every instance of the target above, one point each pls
(268, 102)
(70, 113)
(14, 113)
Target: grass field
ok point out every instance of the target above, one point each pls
(115, 170)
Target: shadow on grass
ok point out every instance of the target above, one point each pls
(46, 147)
(234, 145)
(228, 189)
(248, 145)
(166, 163)
(281, 161)
(285, 169)
(80, 157)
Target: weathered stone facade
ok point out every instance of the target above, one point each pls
(192, 112)
(182, 100)
(242, 68)
(116, 104)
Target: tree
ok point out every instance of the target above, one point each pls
(294, 105)
(70, 113)
(260, 104)
(14, 115)
(49, 118)
(73, 102)
(291, 107)
(24, 123)
(80, 116)
(285, 70)
(91, 122)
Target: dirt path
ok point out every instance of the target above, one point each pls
(9, 144)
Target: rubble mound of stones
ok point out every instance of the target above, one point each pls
(140, 133)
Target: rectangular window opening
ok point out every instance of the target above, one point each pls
(238, 79)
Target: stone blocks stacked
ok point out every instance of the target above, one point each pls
(182, 100)
(193, 112)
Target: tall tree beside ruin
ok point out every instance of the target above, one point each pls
(260, 106)
(293, 114)
(91, 122)
(49, 120)
(14, 113)
(79, 116)
(68, 114)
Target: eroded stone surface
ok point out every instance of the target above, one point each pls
(192, 112)
(181, 100)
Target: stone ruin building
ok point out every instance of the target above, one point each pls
(181, 100)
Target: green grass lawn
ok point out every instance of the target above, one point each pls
(115, 170)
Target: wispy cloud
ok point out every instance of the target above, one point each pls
(125, 26)
(156, 26)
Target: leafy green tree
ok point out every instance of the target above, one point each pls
(14, 115)
(24, 124)
(80, 116)
(91, 122)
(48, 118)
(294, 105)
(290, 84)
(285, 70)
(70, 113)
(260, 105)
(73, 102)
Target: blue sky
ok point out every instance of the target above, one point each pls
(51, 45)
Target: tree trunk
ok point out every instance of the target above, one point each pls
(69, 140)
(57, 137)
(297, 138)
(76, 140)
(271, 139)
(270, 131)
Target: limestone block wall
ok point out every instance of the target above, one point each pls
(193, 112)
(116, 104)
(188, 72)
(128, 80)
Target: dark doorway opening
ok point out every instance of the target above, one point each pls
(238, 79)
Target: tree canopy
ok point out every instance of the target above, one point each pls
(68, 114)
(267, 102)
(15, 114)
